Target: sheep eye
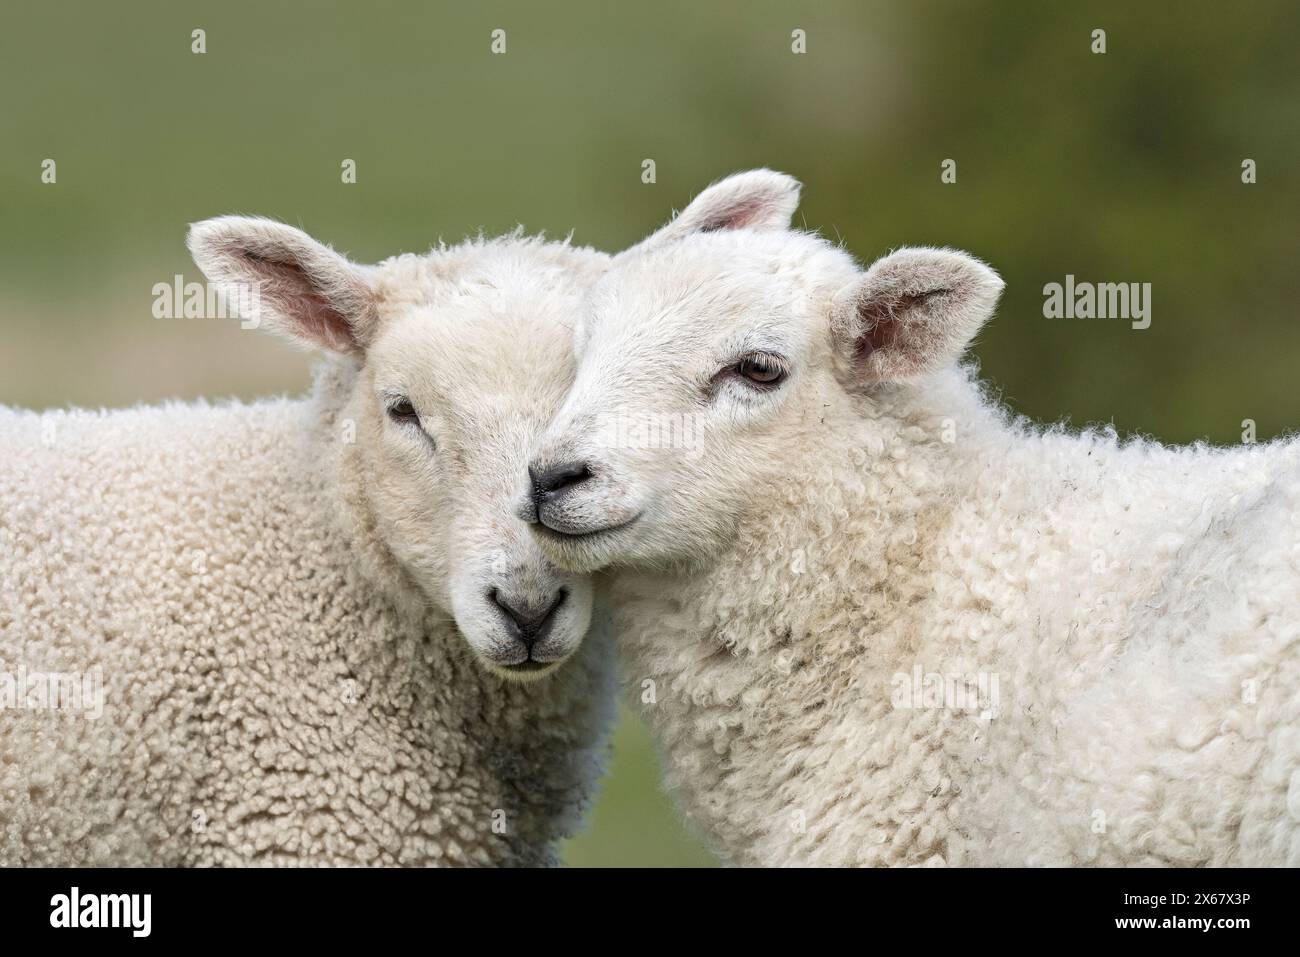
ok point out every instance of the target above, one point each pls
(761, 370)
(403, 411)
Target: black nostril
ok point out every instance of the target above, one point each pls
(531, 621)
(560, 477)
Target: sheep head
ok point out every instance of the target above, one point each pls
(458, 359)
(711, 359)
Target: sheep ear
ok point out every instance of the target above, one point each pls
(913, 312)
(277, 275)
(757, 199)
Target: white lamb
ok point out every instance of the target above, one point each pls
(876, 620)
(267, 591)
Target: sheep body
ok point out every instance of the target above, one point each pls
(1136, 603)
(275, 691)
(873, 619)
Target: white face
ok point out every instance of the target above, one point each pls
(464, 355)
(699, 364)
(455, 395)
(710, 369)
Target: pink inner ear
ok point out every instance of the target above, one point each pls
(297, 297)
(736, 217)
(881, 320)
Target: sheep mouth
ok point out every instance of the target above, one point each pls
(529, 666)
(586, 535)
(526, 671)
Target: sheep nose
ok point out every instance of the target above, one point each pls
(554, 482)
(528, 621)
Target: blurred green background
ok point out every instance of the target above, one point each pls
(1122, 167)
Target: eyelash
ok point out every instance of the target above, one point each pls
(768, 363)
(401, 410)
